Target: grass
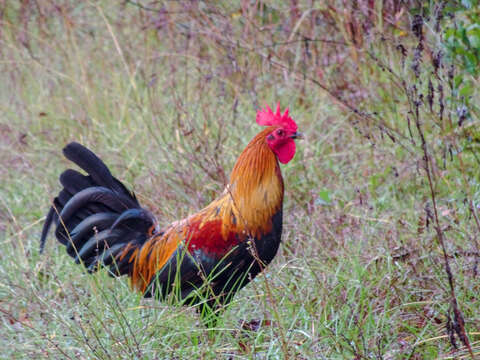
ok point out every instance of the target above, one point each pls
(168, 100)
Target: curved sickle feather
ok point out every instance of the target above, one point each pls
(98, 194)
(101, 240)
(136, 219)
(99, 221)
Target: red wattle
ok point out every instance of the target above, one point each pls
(286, 151)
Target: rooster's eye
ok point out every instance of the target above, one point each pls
(280, 132)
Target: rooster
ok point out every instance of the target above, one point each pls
(203, 259)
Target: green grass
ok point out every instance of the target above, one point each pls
(359, 273)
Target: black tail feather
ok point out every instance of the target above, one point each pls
(105, 238)
(95, 215)
(88, 227)
(108, 256)
(135, 219)
(74, 182)
(46, 227)
(95, 167)
(99, 195)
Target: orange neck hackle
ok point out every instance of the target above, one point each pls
(256, 162)
(256, 183)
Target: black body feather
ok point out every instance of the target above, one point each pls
(226, 276)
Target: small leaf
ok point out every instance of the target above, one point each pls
(473, 34)
(458, 80)
(467, 89)
(450, 32)
(471, 62)
(323, 198)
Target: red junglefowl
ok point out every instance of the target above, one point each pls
(207, 257)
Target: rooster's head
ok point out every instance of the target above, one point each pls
(284, 132)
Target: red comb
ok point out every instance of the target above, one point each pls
(266, 117)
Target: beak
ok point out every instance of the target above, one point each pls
(297, 135)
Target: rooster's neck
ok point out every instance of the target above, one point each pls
(256, 181)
